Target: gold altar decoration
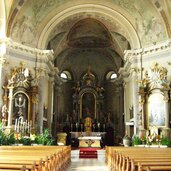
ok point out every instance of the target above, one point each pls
(19, 95)
(88, 126)
(88, 97)
(154, 83)
(61, 138)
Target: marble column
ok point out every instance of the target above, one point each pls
(2, 80)
(41, 99)
(166, 106)
(10, 107)
(135, 100)
(50, 102)
(57, 92)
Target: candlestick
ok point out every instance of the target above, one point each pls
(15, 128)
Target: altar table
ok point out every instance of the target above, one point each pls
(89, 141)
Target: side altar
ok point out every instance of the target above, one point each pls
(93, 140)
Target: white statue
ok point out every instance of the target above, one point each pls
(4, 111)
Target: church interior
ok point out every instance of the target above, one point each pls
(89, 73)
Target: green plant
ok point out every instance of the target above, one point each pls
(165, 141)
(136, 140)
(3, 136)
(45, 138)
(11, 139)
(25, 140)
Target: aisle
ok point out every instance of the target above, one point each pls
(87, 164)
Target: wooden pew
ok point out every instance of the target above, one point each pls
(128, 158)
(158, 168)
(46, 158)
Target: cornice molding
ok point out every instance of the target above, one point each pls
(148, 51)
(42, 55)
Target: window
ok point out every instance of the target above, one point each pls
(65, 75)
(111, 75)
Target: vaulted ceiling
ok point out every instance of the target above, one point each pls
(91, 33)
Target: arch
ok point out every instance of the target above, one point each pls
(66, 75)
(106, 11)
(2, 20)
(28, 98)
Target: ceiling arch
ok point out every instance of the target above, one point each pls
(126, 28)
(89, 33)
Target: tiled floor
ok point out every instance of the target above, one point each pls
(87, 164)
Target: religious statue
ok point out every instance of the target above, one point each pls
(20, 103)
(4, 113)
(88, 125)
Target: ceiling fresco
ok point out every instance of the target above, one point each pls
(145, 18)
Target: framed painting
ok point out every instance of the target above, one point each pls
(88, 105)
(156, 110)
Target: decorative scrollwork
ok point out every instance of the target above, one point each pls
(20, 77)
(158, 77)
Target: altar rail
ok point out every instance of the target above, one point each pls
(138, 159)
(34, 158)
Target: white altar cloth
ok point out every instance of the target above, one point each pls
(85, 140)
(89, 138)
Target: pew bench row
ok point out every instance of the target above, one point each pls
(30, 158)
(138, 159)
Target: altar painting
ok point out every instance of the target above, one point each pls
(156, 110)
(88, 105)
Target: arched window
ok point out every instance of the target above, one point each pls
(65, 75)
(111, 75)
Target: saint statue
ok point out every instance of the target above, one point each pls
(4, 114)
(88, 125)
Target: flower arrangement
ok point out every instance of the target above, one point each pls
(149, 140)
(26, 139)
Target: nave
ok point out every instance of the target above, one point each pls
(87, 164)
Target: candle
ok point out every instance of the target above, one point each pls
(15, 128)
(18, 125)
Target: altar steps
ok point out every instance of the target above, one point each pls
(88, 153)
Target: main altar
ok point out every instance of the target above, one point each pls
(93, 140)
(88, 124)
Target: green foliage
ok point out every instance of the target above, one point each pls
(11, 139)
(6, 139)
(136, 140)
(165, 141)
(25, 140)
(45, 138)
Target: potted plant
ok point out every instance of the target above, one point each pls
(45, 138)
(136, 141)
(165, 141)
(126, 140)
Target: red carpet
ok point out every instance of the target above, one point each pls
(88, 153)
